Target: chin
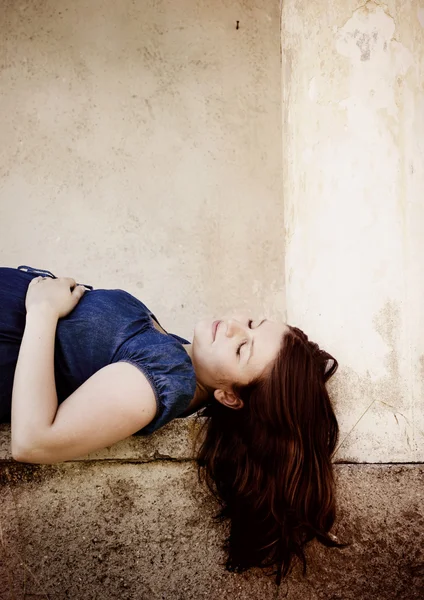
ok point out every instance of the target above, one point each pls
(203, 331)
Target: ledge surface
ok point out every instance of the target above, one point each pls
(175, 441)
(145, 531)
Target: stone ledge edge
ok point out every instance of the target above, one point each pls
(175, 441)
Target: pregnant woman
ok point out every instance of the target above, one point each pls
(81, 369)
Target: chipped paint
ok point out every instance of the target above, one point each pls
(354, 207)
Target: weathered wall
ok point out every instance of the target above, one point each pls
(141, 148)
(136, 141)
(353, 77)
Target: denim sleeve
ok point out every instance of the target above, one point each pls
(170, 372)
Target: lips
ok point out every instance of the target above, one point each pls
(214, 328)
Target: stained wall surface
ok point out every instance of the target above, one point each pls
(353, 139)
(141, 149)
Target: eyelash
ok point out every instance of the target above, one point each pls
(239, 348)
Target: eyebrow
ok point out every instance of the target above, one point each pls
(253, 342)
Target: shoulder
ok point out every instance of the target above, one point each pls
(169, 370)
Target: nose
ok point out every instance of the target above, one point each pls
(234, 326)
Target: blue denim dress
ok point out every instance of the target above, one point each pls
(106, 326)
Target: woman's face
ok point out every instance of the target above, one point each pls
(239, 350)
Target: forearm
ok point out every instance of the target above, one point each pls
(34, 397)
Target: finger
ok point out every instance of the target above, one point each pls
(78, 291)
(70, 280)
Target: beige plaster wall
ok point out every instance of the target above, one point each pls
(353, 76)
(141, 148)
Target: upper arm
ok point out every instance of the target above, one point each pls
(111, 405)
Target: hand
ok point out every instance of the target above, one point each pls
(59, 296)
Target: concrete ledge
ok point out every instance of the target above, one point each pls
(175, 441)
(113, 530)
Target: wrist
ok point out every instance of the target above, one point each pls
(42, 311)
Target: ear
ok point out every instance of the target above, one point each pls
(228, 399)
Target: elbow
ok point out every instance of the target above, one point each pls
(22, 455)
(19, 447)
(22, 452)
(25, 453)
(34, 457)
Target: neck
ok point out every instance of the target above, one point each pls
(202, 393)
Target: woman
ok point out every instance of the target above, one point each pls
(82, 369)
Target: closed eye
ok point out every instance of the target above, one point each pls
(239, 348)
(242, 344)
(245, 342)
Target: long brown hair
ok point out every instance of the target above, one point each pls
(269, 463)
